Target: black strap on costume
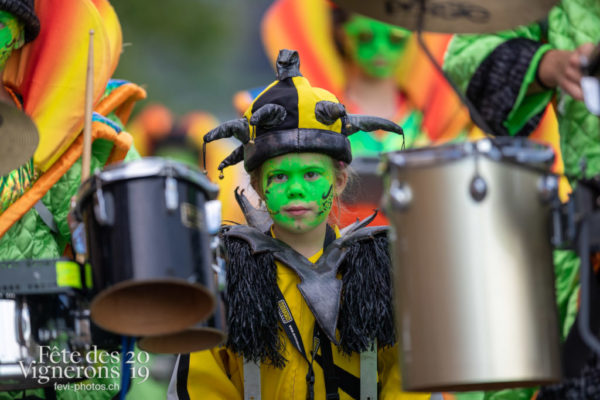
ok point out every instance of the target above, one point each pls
(329, 368)
(293, 333)
(183, 369)
(291, 330)
(331, 377)
(346, 381)
(335, 377)
(329, 237)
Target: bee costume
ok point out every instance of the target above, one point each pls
(299, 328)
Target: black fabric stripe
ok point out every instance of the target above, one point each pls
(346, 381)
(285, 94)
(329, 236)
(329, 371)
(183, 369)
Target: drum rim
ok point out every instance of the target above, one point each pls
(145, 168)
(143, 341)
(110, 291)
(541, 155)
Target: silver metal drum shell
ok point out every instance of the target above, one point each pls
(474, 282)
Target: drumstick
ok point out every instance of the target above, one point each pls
(87, 121)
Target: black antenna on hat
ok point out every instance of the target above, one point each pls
(327, 112)
(268, 116)
(288, 64)
(237, 128)
(235, 157)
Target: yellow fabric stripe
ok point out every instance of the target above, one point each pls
(307, 100)
(248, 113)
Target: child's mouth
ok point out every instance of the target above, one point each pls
(297, 210)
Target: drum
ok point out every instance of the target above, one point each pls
(473, 271)
(148, 226)
(202, 336)
(30, 322)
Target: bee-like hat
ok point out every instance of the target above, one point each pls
(290, 116)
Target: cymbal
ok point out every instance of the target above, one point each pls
(453, 16)
(18, 138)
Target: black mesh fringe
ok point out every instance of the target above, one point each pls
(366, 307)
(252, 304)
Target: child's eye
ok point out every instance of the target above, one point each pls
(311, 175)
(365, 37)
(279, 178)
(397, 37)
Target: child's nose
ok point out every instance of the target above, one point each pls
(295, 190)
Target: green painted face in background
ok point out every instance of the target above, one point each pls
(12, 35)
(298, 190)
(375, 46)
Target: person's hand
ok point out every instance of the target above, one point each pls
(562, 68)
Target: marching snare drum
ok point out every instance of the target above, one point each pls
(46, 328)
(474, 278)
(202, 336)
(28, 323)
(148, 226)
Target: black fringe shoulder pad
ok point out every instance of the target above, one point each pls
(366, 308)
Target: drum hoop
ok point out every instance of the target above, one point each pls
(517, 151)
(145, 168)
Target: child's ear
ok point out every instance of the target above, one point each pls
(341, 180)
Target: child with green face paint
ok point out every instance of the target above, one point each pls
(309, 308)
(375, 47)
(298, 190)
(364, 73)
(372, 51)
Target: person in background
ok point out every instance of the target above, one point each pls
(35, 197)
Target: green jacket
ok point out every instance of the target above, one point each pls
(498, 74)
(570, 24)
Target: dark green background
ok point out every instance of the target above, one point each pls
(193, 54)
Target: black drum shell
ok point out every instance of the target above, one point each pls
(146, 241)
(147, 249)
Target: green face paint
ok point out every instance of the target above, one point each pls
(375, 46)
(298, 190)
(12, 36)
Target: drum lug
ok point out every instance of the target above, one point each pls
(23, 323)
(83, 330)
(478, 188)
(103, 208)
(401, 195)
(171, 194)
(212, 212)
(548, 188)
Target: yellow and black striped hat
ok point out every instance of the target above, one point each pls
(290, 116)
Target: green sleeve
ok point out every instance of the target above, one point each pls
(466, 52)
(465, 56)
(527, 105)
